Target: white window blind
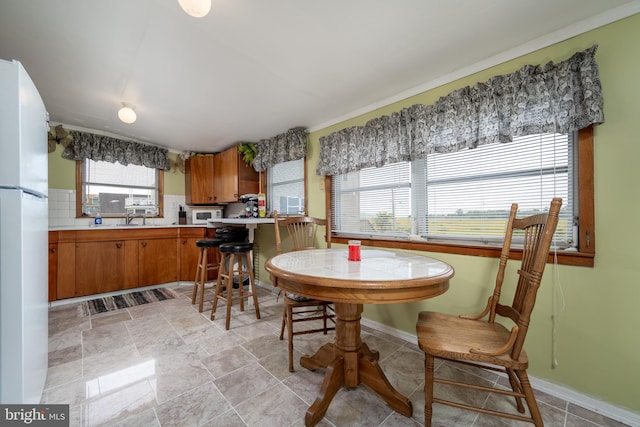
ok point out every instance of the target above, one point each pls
(463, 196)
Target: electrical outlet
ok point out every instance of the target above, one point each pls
(322, 184)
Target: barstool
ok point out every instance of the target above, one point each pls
(227, 274)
(204, 267)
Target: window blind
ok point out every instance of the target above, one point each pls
(464, 196)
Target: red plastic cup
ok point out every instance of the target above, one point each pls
(354, 250)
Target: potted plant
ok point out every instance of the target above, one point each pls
(249, 151)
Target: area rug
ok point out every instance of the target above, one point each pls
(117, 302)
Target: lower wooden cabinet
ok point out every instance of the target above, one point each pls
(99, 267)
(66, 277)
(88, 262)
(157, 261)
(53, 269)
(189, 252)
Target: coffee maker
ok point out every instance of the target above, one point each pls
(250, 205)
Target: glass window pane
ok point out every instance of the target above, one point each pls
(114, 189)
(286, 187)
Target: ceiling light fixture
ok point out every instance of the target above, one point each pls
(127, 113)
(196, 8)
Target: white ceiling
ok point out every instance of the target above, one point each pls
(252, 69)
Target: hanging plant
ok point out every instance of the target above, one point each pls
(58, 135)
(249, 151)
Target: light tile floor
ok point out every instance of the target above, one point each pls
(165, 364)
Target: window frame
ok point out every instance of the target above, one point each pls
(584, 256)
(79, 195)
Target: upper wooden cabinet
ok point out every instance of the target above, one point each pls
(222, 178)
(233, 177)
(198, 180)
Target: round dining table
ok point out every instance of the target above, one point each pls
(381, 277)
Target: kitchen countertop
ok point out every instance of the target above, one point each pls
(242, 221)
(122, 226)
(250, 223)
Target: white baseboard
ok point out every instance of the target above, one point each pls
(606, 409)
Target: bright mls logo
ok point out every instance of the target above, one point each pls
(35, 415)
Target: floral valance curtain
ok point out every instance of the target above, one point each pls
(559, 98)
(98, 147)
(291, 145)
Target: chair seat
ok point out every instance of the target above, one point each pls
(209, 243)
(297, 298)
(452, 337)
(236, 247)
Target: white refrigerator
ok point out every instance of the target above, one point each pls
(23, 238)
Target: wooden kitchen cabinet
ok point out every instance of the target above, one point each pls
(233, 177)
(157, 261)
(189, 252)
(66, 265)
(53, 266)
(198, 180)
(99, 267)
(220, 178)
(89, 262)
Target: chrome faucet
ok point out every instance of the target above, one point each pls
(128, 218)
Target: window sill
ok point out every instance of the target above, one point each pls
(580, 259)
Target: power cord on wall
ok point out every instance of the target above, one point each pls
(557, 292)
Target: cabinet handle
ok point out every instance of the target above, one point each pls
(144, 244)
(184, 242)
(118, 245)
(52, 250)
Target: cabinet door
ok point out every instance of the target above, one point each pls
(199, 178)
(53, 271)
(99, 267)
(66, 270)
(226, 176)
(158, 261)
(189, 254)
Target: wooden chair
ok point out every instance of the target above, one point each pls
(487, 343)
(302, 232)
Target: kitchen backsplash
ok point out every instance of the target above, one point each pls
(62, 210)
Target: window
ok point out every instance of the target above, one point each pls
(114, 190)
(453, 201)
(287, 187)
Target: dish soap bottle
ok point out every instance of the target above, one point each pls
(98, 219)
(262, 205)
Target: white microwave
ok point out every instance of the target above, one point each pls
(202, 215)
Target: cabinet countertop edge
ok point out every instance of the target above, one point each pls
(122, 227)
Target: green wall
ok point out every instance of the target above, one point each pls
(596, 338)
(62, 172)
(173, 179)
